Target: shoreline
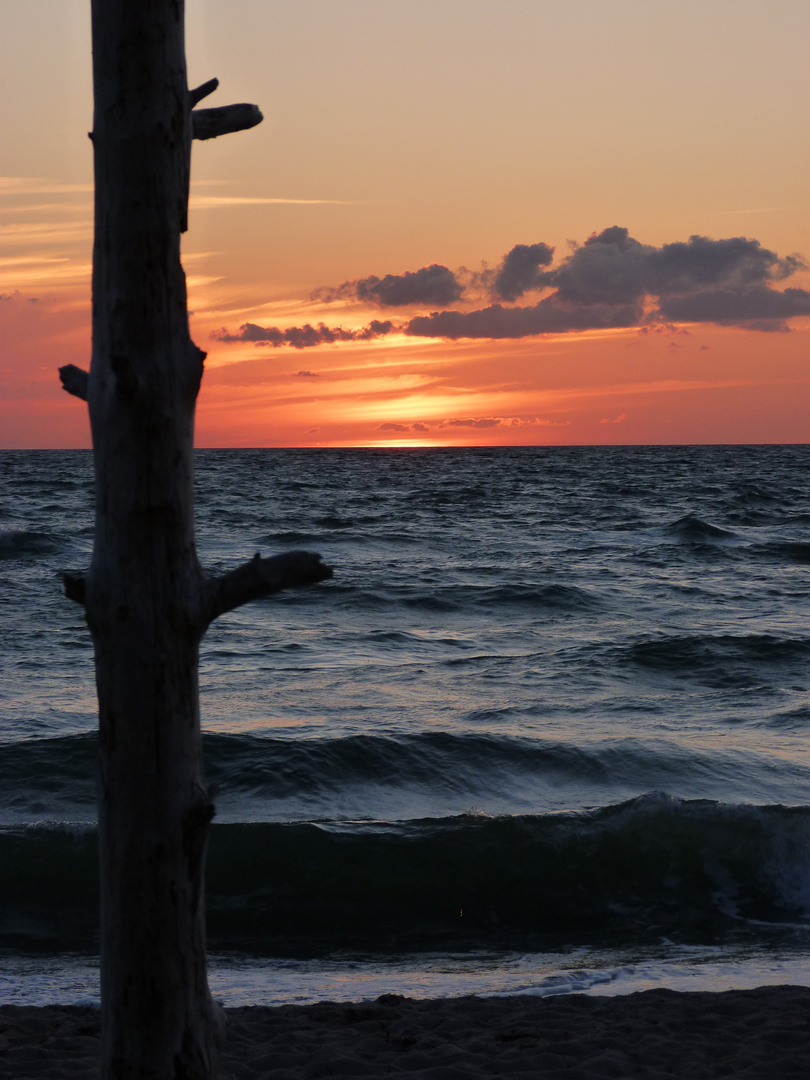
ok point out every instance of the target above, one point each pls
(237, 981)
(761, 1034)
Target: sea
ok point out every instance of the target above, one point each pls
(547, 730)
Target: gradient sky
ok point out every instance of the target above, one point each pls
(462, 221)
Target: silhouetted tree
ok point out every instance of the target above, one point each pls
(147, 600)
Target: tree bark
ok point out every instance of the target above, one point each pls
(144, 594)
(146, 597)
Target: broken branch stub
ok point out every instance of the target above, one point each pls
(260, 577)
(74, 380)
(210, 123)
(196, 95)
(75, 587)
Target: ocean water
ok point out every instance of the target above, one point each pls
(548, 728)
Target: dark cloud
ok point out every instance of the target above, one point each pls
(737, 306)
(610, 281)
(613, 268)
(432, 284)
(519, 270)
(402, 427)
(374, 329)
(607, 269)
(546, 317)
(307, 337)
(303, 337)
(604, 283)
(701, 263)
(484, 422)
(308, 374)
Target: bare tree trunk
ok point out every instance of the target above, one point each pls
(147, 601)
(145, 590)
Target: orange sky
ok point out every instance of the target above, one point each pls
(407, 149)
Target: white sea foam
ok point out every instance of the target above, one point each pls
(73, 980)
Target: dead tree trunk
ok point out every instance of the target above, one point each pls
(148, 602)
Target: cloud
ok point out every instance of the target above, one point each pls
(619, 419)
(519, 270)
(307, 374)
(484, 422)
(613, 268)
(611, 281)
(742, 306)
(607, 269)
(212, 202)
(502, 421)
(432, 284)
(701, 262)
(604, 284)
(303, 337)
(374, 329)
(33, 185)
(389, 426)
(546, 317)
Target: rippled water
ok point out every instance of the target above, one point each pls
(553, 698)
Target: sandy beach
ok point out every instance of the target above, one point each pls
(751, 1034)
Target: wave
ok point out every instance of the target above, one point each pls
(650, 867)
(519, 596)
(797, 551)
(564, 597)
(693, 529)
(51, 778)
(21, 543)
(334, 531)
(717, 659)
(267, 778)
(432, 597)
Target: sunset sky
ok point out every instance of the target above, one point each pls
(461, 222)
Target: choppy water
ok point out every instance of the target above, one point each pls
(554, 700)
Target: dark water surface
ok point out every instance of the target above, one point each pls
(553, 700)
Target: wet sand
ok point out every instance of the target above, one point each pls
(745, 1034)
